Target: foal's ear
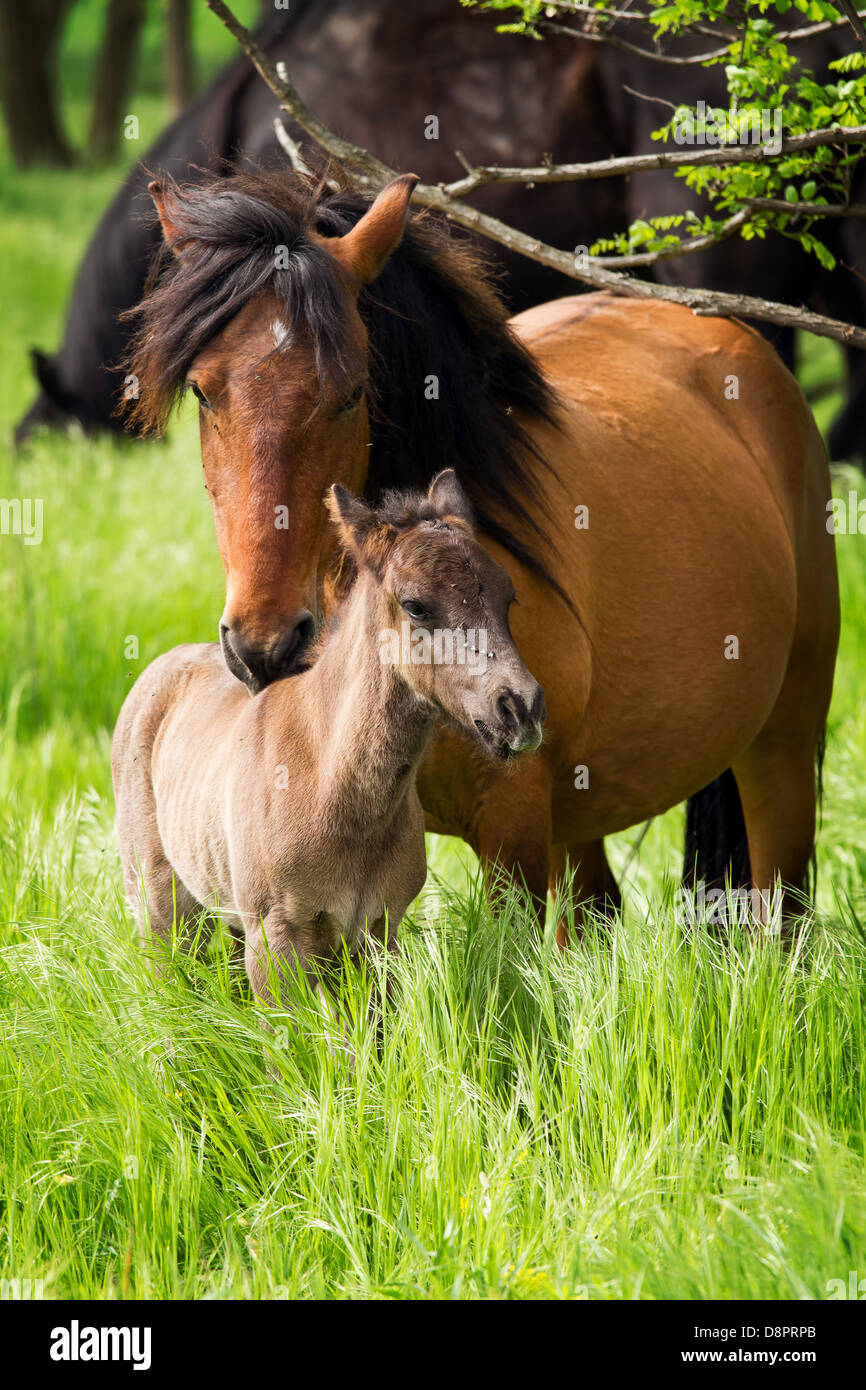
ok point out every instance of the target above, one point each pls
(353, 519)
(448, 497)
(160, 202)
(365, 249)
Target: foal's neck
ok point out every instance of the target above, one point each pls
(372, 729)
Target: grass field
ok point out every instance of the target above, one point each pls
(666, 1117)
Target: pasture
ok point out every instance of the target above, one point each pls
(669, 1115)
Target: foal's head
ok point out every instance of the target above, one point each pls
(442, 610)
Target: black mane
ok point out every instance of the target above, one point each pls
(433, 312)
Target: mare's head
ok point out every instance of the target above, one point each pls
(442, 611)
(258, 305)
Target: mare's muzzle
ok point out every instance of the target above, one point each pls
(258, 666)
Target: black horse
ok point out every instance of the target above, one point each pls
(414, 83)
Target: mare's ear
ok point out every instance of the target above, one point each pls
(448, 497)
(364, 250)
(353, 519)
(161, 202)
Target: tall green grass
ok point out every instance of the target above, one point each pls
(661, 1116)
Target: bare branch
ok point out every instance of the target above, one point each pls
(807, 209)
(633, 17)
(808, 31)
(643, 96)
(604, 36)
(291, 148)
(853, 17)
(484, 174)
(373, 174)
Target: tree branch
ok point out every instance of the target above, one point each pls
(807, 209)
(853, 18)
(291, 148)
(685, 248)
(482, 174)
(613, 41)
(634, 17)
(373, 174)
(808, 31)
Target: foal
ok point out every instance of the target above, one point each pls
(296, 811)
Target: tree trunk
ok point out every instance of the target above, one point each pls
(29, 84)
(179, 54)
(115, 67)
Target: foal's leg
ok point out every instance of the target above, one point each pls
(273, 947)
(593, 886)
(158, 897)
(159, 900)
(380, 943)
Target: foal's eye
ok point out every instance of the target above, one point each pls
(199, 395)
(415, 610)
(353, 401)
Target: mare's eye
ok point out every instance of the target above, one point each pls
(199, 395)
(353, 401)
(415, 610)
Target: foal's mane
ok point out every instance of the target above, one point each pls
(433, 312)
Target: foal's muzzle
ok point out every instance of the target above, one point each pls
(259, 666)
(518, 727)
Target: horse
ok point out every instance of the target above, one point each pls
(296, 813)
(652, 480)
(492, 95)
(498, 98)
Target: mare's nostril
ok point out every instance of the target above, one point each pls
(258, 666)
(293, 643)
(246, 663)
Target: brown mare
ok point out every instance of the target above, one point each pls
(296, 813)
(654, 483)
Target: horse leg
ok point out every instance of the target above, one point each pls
(777, 784)
(160, 901)
(593, 886)
(512, 837)
(276, 954)
(380, 944)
